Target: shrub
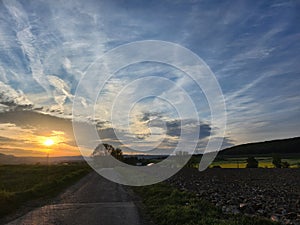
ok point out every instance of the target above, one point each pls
(217, 166)
(252, 162)
(278, 163)
(285, 164)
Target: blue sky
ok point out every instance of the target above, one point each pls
(252, 47)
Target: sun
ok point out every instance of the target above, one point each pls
(48, 142)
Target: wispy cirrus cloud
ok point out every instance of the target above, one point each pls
(46, 47)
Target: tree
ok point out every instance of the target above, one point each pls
(107, 149)
(118, 154)
(277, 161)
(285, 164)
(252, 162)
(132, 160)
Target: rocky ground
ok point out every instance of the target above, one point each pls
(269, 193)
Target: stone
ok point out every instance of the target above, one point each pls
(274, 218)
(261, 211)
(243, 205)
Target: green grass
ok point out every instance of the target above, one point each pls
(21, 183)
(167, 205)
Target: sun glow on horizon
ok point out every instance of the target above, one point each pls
(48, 142)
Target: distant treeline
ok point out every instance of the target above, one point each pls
(285, 146)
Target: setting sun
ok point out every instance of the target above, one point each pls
(48, 142)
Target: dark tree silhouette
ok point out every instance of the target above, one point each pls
(285, 164)
(277, 161)
(107, 149)
(118, 154)
(252, 162)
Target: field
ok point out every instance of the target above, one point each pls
(269, 193)
(263, 162)
(22, 183)
(168, 205)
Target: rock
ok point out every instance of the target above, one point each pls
(243, 205)
(261, 211)
(287, 222)
(274, 218)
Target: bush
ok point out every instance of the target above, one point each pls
(285, 164)
(252, 162)
(217, 166)
(277, 161)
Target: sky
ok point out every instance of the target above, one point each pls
(47, 47)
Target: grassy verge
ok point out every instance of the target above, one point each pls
(21, 183)
(167, 205)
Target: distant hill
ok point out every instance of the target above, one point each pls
(10, 159)
(7, 158)
(284, 146)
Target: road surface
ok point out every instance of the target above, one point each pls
(93, 200)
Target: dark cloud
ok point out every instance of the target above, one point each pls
(14, 106)
(12, 99)
(6, 139)
(42, 123)
(174, 128)
(173, 132)
(150, 116)
(146, 117)
(107, 133)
